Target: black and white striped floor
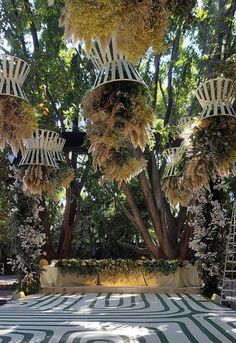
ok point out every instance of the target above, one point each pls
(116, 318)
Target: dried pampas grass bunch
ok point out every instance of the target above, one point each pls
(39, 179)
(119, 122)
(17, 122)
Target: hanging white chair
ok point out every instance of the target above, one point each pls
(186, 122)
(111, 65)
(13, 72)
(41, 148)
(59, 154)
(172, 156)
(216, 97)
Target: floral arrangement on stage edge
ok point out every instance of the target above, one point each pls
(112, 267)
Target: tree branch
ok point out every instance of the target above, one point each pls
(138, 250)
(121, 206)
(53, 103)
(139, 221)
(174, 55)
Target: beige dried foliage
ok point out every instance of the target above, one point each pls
(35, 179)
(17, 122)
(175, 191)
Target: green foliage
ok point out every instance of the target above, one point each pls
(112, 267)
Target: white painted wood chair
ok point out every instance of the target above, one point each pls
(186, 122)
(59, 154)
(216, 98)
(13, 72)
(112, 66)
(41, 148)
(172, 156)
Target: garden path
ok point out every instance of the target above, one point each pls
(116, 318)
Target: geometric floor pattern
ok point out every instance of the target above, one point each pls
(116, 318)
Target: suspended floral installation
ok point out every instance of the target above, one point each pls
(209, 145)
(17, 117)
(43, 169)
(136, 25)
(172, 185)
(119, 121)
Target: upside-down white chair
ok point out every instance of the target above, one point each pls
(111, 65)
(186, 122)
(216, 98)
(172, 156)
(41, 148)
(59, 154)
(13, 72)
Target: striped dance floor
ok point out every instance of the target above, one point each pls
(116, 318)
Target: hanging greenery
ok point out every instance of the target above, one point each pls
(137, 25)
(119, 122)
(17, 122)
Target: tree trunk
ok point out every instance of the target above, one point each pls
(46, 222)
(173, 59)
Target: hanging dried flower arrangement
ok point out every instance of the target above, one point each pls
(119, 122)
(43, 169)
(136, 25)
(210, 152)
(17, 122)
(17, 117)
(210, 144)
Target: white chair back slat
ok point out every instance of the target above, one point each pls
(41, 147)
(201, 97)
(17, 69)
(8, 86)
(14, 86)
(212, 90)
(225, 90)
(20, 91)
(113, 70)
(111, 65)
(11, 66)
(206, 93)
(58, 152)
(127, 70)
(222, 107)
(119, 65)
(4, 66)
(216, 97)
(219, 90)
(2, 82)
(14, 72)
(231, 96)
